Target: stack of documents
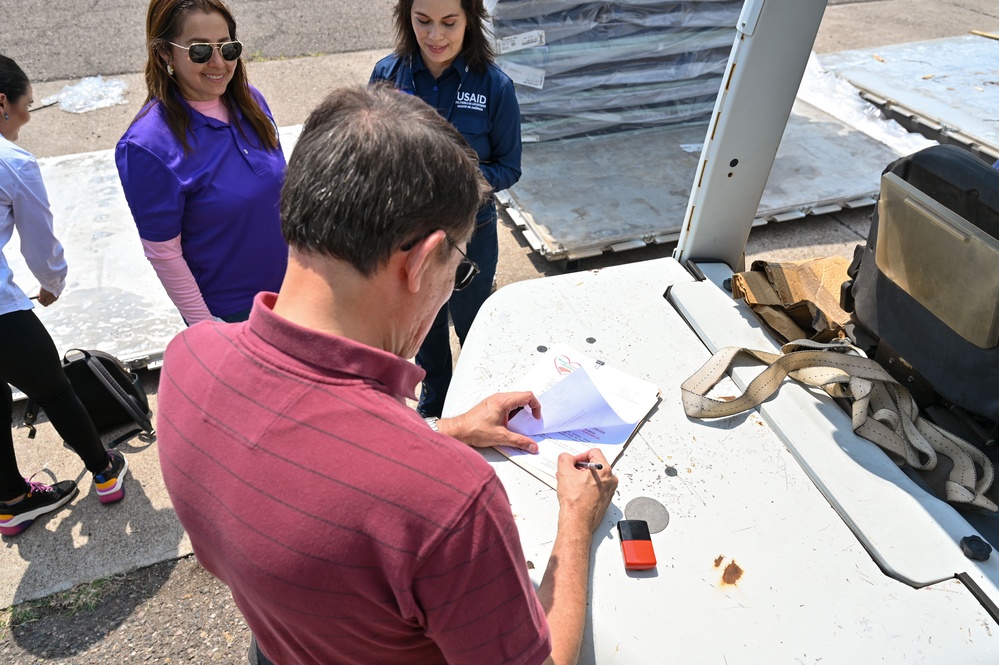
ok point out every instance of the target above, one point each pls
(584, 404)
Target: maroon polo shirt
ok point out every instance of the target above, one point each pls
(347, 530)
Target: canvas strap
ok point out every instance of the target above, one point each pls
(883, 411)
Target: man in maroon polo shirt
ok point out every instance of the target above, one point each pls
(347, 529)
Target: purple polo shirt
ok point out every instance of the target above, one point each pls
(222, 199)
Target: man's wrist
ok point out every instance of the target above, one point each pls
(447, 426)
(574, 526)
(433, 423)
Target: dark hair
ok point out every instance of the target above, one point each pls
(372, 170)
(476, 47)
(163, 23)
(13, 81)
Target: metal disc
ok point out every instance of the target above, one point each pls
(648, 509)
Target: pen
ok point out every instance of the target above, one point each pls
(589, 465)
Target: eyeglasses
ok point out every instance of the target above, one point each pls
(466, 270)
(202, 53)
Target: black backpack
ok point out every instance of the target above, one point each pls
(914, 343)
(112, 394)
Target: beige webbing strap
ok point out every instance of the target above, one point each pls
(883, 410)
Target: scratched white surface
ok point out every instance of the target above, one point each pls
(808, 591)
(914, 536)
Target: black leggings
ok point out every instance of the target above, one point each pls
(29, 361)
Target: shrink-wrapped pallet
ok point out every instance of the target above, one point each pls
(597, 67)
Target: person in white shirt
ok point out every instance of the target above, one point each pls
(28, 357)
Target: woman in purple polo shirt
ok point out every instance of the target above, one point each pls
(202, 167)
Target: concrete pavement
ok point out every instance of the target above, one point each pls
(90, 541)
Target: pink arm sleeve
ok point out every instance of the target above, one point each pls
(168, 262)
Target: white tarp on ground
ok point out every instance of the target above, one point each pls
(950, 86)
(113, 300)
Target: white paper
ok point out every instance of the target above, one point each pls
(520, 42)
(572, 403)
(584, 404)
(532, 77)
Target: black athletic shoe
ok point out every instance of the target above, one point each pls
(110, 484)
(39, 500)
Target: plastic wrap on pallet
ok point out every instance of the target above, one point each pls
(593, 122)
(684, 66)
(512, 9)
(563, 57)
(599, 67)
(616, 97)
(608, 21)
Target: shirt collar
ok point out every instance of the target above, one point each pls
(331, 353)
(197, 120)
(458, 65)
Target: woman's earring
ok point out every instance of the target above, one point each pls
(170, 70)
(6, 117)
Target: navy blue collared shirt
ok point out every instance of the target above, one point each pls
(481, 105)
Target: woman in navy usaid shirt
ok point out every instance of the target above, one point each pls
(443, 56)
(201, 166)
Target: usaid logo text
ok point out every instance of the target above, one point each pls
(470, 100)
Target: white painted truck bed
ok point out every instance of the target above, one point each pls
(802, 587)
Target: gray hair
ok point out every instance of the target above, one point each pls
(373, 170)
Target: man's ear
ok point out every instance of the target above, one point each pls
(422, 257)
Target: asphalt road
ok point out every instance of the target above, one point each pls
(72, 39)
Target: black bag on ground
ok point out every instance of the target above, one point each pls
(112, 394)
(926, 285)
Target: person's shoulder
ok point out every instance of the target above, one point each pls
(261, 102)
(385, 68)
(498, 77)
(151, 116)
(16, 157)
(150, 131)
(491, 78)
(466, 466)
(433, 456)
(182, 340)
(202, 340)
(257, 95)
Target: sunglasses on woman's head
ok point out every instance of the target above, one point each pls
(202, 53)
